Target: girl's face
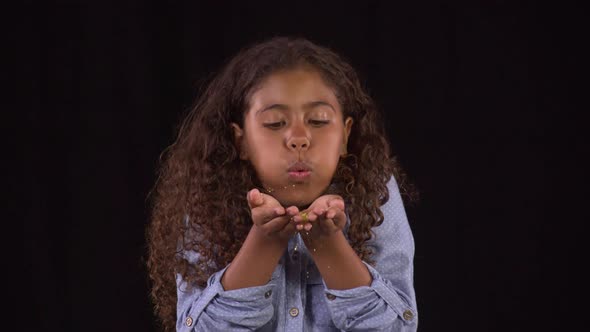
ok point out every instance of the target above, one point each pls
(294, 134)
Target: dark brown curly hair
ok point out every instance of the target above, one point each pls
(202, 182)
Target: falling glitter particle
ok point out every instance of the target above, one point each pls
(276, 190)
(270, 189)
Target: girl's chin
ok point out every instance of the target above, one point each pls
(297, 195)
(299, 204)
(288, 199)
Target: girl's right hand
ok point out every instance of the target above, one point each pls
(270, 217)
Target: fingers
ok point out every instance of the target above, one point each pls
(329, 221)
(262, 215)
(304, 220)
(281, 224)
(336, 218)
(260, 209)
(336, 202)
(335, 215)
(255, 198)
(272, 218)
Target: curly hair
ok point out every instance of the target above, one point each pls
(192, 196)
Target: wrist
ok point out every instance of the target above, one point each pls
(255, 261)
(338, 263)
(324, 242)
(271, 241)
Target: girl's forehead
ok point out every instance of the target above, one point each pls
(298, 75)
(294, 84)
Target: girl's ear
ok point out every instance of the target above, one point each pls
(239, 140)
(347, 129)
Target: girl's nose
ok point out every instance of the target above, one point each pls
(299, 139)
(298, 143)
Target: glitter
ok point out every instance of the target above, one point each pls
(271, 190)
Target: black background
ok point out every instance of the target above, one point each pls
(471, 92)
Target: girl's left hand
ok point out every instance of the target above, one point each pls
(325, 216)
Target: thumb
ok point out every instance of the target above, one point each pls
(336, 202)
(255, 198)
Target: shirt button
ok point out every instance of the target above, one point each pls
(267, 294)
(294, 312)
(408, 314)
(330, 296)
(189, 321)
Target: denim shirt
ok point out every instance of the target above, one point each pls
(297, 299)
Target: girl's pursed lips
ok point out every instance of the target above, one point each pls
(299, 166)
(301, 175)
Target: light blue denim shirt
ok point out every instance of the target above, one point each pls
(297, 299)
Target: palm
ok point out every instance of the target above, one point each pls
(325, 217)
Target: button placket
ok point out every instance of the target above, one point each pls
(295, 292)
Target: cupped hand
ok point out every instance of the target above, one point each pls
(325, 217)
(270, 217)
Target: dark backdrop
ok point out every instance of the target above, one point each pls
(470, 92)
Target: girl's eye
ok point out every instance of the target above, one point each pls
(274, 125)
(319, 123)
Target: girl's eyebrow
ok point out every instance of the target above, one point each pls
(283, 107)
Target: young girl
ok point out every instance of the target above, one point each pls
(279, 208)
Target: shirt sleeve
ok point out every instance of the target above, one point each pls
(214, 309)
(389, 303)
